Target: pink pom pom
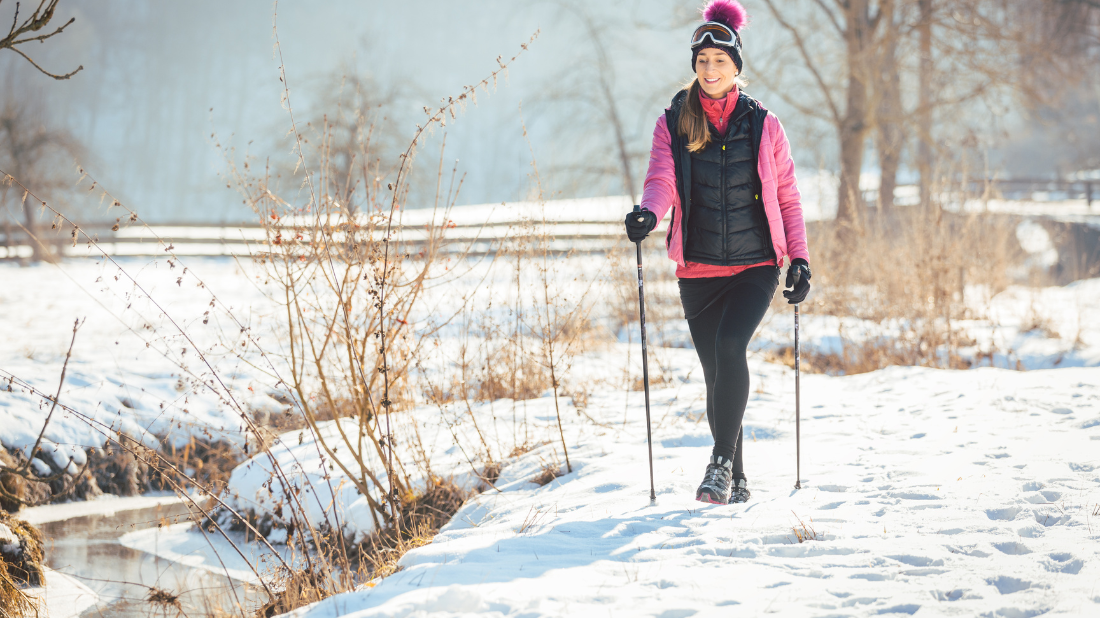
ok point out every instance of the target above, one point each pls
(728, 12)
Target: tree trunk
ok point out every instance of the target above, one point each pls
(924, 114)
(38, 251)
(853, 126)
(891, 132)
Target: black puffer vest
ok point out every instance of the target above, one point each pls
(724, 223)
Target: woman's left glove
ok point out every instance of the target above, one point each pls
(798, 277)
(637, 230)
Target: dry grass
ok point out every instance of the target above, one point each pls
(489, 475)
(163, 600)
(21, 567)
(27, 566)
(296, 589)
(805, 532)
(550, 471)
(907, 269)
(13, 601)
(422, 515)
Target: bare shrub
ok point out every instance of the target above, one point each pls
(909, 275)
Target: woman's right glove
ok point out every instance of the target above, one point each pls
(637, 230)
(798, 278)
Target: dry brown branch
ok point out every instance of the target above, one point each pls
(35, 22)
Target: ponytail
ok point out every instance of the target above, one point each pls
(692, 124)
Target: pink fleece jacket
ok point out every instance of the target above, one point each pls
(782, 201)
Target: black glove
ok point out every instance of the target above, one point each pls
(637, 230)
(798, 276)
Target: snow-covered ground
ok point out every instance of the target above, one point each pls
(925, 492)
(928, 492)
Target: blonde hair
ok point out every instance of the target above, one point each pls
(692, 124)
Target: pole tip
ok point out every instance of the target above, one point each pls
(653, 502)
(798, 485)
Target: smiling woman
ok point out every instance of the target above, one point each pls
(722, 165)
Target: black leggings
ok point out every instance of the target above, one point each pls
(721, 334)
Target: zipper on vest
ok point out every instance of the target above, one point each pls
(725, 207)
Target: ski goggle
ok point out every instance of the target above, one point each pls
(718, 34)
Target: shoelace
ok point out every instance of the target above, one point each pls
(714, 478)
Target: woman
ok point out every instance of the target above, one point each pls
(721, 163)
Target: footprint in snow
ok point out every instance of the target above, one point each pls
(917, 561)
(1064, 563)
(1030, 532)
(1043, 497)
(1007, 585)
(1005, 514)
(1012, 548)
(1048, 518)
(949, 595)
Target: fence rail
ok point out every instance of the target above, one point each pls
(584, 225)
(251, 239)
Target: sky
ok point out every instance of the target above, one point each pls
(166, 86)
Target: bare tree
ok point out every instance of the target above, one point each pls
(22, 32)
(602, 124)
(856, 24)
(947, 54)
(35, 153)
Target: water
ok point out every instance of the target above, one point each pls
(88, 549)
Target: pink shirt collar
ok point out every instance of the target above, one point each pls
(718, 111)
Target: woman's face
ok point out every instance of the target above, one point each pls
(716, 72)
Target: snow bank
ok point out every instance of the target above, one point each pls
(131, 371)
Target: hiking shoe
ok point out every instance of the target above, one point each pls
(740, 491)
(715, 488)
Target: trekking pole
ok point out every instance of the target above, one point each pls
(645, 366)
(797, 408)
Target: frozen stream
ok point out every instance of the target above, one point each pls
(87, 547)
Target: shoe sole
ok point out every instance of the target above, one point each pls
(706, 497)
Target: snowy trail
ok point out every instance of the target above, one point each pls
(931, 493)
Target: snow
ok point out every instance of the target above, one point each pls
(62, 596)
(929, 492)
(184, 544)
(104, 505)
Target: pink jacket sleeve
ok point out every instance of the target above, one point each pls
(790, 200)
(659, 191)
